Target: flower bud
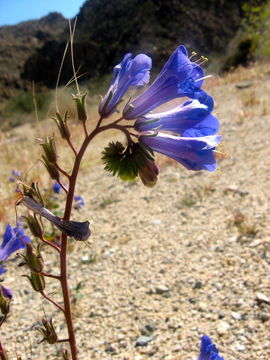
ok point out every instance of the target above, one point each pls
(5, 298)
(49, 148)
(80, 105)
(147, 168)
(34, 225)
(33, 258)
(37, 281)
(62, 125)
(48, 332)
(148, 173)
(52, 170)
(4, 305)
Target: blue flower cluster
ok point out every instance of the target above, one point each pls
(13, 240)
(195, 128)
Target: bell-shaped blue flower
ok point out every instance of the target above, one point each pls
(129, 73)
(208, 350)
(190, 119)
(194, 153)
(179, 77)
(13, 240)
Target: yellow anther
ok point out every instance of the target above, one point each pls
(192, 55)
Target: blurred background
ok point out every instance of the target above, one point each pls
(33, 37)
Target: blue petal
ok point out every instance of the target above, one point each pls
(13, 240)
(190, 119)
(208, 350)
(126, 74)
(176, 79)
(8, 234)
(193, 153)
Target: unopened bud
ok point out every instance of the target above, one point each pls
(148, 173)
(49, 148)
(33, 258)
(147, 169)
(52, 170)
(37, 281)
(62, 125)
(80, 105)
(34, 225)
(48, 332)
(5, 297)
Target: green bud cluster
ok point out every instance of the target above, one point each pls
(128, 163)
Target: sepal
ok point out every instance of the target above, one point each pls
(49, 148)
(33, 258)
(80, 105)
(34, 225)
(48, 332)
(61, 123)
(37, 281)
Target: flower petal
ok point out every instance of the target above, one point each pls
(193, 153)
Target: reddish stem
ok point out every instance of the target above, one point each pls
(67, 214)
(52, 301)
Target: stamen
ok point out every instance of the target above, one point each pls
(202, 60)
(204, 77)
(192, 55)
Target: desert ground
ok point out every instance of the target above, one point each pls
(164, 265)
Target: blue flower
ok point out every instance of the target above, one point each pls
(14, 173)
(179, 77)
(79, 202)
(13, 239)
(130, 72)
(56, 188)
(190, 119)
(208, 350)
(194, 153)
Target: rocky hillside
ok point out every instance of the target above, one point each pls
(106, 30)
(19, 42)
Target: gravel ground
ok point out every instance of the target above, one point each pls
(168, 264)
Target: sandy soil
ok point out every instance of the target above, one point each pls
(169, 263)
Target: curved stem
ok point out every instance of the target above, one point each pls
(52, 301)
(72, 146)
(50, 275)
(62, 171)
(50, 244)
